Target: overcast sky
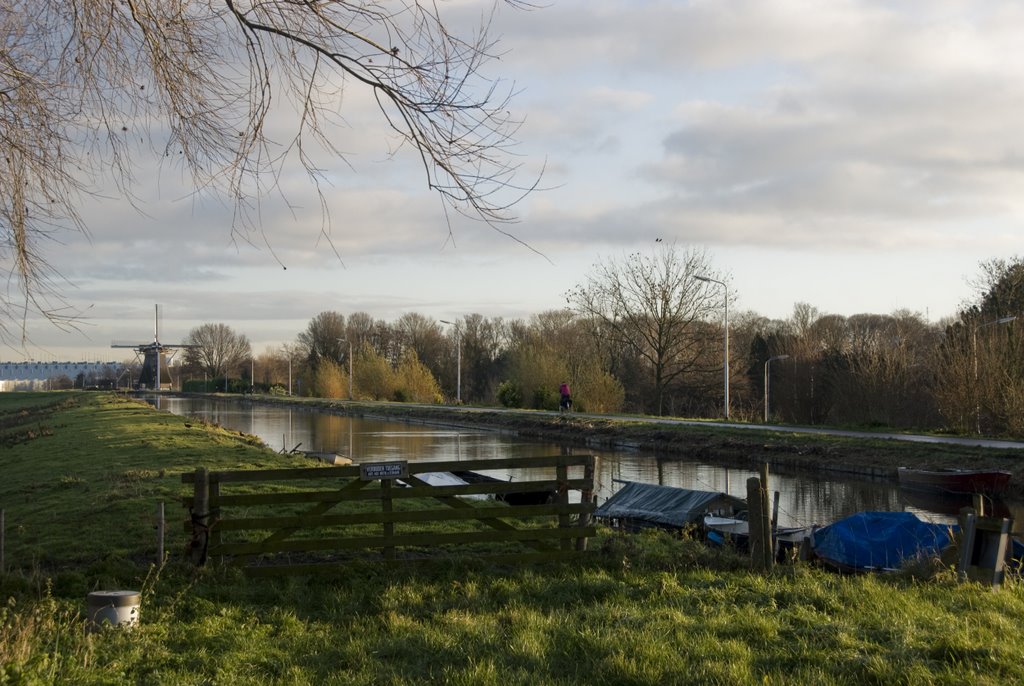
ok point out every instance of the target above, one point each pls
(856, 156)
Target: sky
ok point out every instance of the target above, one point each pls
(860, 157)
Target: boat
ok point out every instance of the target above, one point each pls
(466, 477)
(327, 456)
(637, 506)
(878, 541)
(951, 504)
(736, 531)
(954, 480)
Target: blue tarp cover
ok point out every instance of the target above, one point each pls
(665, 505)
(879, 540)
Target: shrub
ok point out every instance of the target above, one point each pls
(510, 394)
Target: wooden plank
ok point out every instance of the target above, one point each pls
(485, 512)
(461, 505)
(318, 509)
(338, 568)
(350, 471)
(543, 539)
(427, 491)
(324, 471)
(417, 539)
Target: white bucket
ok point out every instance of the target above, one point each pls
(114, 608)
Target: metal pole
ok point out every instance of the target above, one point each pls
(350, 396)
(726, 361)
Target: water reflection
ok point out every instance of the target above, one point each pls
(804, 499)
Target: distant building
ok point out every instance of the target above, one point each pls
(29, 376)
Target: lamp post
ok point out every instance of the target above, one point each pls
(725, 363)
(458, 361)
(974, 347)
(767, 381)
(252, 375)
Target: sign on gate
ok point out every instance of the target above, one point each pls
(371, 471)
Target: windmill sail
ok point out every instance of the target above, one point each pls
(156, 357)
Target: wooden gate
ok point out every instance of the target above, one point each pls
(315, 520)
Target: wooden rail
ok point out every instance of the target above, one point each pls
(315, 520)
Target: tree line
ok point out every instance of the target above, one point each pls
(645, 334)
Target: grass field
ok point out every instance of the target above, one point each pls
(82, 475)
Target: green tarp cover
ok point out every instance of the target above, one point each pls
(665, 505)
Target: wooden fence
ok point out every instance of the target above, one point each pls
(280, 521)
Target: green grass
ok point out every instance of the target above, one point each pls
(80, 499)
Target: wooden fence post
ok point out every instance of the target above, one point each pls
(213, 491)
(562, 477)
(200, 517)
(756, 533)
(586, 496)
(766, 521)
(387, 505)
(160, 527)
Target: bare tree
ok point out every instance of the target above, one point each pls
(324, 338)
(217, 349)
(84, 82)
(654, 306)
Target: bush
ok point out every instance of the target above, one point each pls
(510, 395)
(545, 399)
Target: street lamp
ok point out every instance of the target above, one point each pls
(725, 364)
(766, 381)
(342, 340)
(458, 361)
(974, 346)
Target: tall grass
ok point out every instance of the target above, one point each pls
(648, 609)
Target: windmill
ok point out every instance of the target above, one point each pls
(156, 358)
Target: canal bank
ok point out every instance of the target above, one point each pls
(863, 454)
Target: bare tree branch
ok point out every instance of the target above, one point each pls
(84, 82)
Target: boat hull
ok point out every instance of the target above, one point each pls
(961, 481)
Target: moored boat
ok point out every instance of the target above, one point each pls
(638, 506)
(879, 541)
(986, 481)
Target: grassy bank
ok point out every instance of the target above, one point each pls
(82, 476)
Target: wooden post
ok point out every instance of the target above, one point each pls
(200, 517)
(213, 503)
(562, 477)
(3, 541)
(756, 533)
(586, 496)
(387, 505)
(766, 521)
(160, 527)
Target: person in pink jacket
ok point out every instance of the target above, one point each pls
(565, 403)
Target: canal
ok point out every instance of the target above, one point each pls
(804, 499)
